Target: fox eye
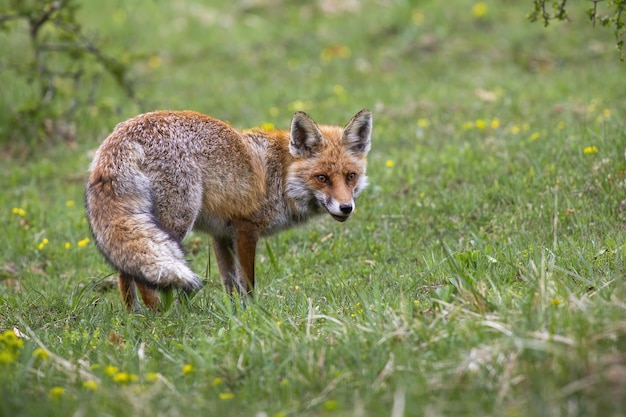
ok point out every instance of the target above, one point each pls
(351, 177)
(322, 178)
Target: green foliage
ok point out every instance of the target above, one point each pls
(612, 15)
(57, 65)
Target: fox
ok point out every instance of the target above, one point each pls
(162, 174)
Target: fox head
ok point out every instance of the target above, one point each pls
(328, 171)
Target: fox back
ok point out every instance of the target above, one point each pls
(161, 174)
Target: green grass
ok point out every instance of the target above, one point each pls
(482, 273)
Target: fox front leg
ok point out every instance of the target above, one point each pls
(247, 235)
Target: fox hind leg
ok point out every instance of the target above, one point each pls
(128, 290)
(149, 296)
(126, 285)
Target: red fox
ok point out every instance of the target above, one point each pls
(159, 175)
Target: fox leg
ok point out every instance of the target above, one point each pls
(247, 236)
(224, 253)
(126, 284)
(149, 296)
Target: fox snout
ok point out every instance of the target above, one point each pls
(339, 211)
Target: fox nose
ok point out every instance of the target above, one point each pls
(346, 208)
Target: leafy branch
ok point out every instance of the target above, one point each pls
(60, 61)
(612, 15)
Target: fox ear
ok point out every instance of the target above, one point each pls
(305, 136)
(357, 133)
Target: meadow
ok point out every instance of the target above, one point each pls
(481, 274)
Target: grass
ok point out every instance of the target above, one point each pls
(482, 273)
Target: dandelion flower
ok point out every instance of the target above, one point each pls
(19, 211)
(187, 369)
(41, 353)
(56, 393)
(110, 370)
(225, 396)
(495, 123)
(124, 377)
(417, 17)
(268, 127)
(590, 150)
(389, 163)
(82, 243)
(480, 9)
(90, 385)
(423, 123)
(481, 124)
(217, 381)
(331, 405)
(69, 203)
(152, 376)
(468, 125)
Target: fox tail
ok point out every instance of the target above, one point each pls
(121, 217)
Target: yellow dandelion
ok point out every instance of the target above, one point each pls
(83, 243)
(187, 369)
(423, 123)
(268, 126)
(389, 163)
(56, 393)
(417, 17)
(69, 203)
(7, 357)
(217, 381)
(225, 396)
(480, 9)
(481, 124)
(495, 123)
(90, 385)
(41, 354)
(152, 376)
(284, 382)
(300, 105)
(331, 405)
(556, 302)
(19, 211)
(68, 245)
(111, 370)
(124, 377)
(590, 150)
(154, 62)
(468, 125)
(534, 136)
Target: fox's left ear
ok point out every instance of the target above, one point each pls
(357, 133)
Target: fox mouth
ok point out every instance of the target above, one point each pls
(340, 218)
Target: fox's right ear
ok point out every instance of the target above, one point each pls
(305, 136)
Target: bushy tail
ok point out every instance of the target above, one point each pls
(120, 213)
